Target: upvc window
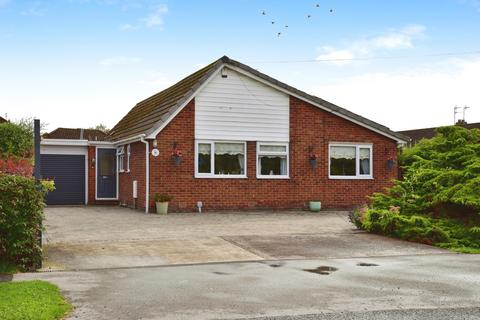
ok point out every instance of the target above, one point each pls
(128, 158)
(350, 161)
(219, 159)
(121, 158)
(272, 160)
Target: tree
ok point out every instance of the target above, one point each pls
(16, 138)
(101, 127)
(441, 175)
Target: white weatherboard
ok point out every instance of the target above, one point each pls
(237, 107)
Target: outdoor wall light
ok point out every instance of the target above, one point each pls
(155, 143)
(390, 164)
(93, 162)
(224, 73)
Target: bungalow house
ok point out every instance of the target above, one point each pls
(2, 120)
(228, 137)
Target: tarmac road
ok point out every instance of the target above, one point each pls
(429, 286)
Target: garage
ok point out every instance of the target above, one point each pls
(68, 172)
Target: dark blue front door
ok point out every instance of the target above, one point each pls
(106, 173)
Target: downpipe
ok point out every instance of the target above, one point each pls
(147, 173)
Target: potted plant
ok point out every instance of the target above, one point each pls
(315, 206)
(161, 203)
(177, 156)
(313, 160)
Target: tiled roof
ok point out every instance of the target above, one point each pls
(153, 112)
(76, 134)
(156, 109)
(427, 133)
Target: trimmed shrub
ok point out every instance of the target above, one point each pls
(21, 214)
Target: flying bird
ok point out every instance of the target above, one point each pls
(279, 34)
(331, 10)
(264, 13)
(286, 26)
(273, 22)
(317, 5)
(308, 16)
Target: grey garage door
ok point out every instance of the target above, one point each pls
(68, 172)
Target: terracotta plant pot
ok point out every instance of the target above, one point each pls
(315, 206)
(162, 207)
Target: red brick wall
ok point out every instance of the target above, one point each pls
(309, 127)
(137, 172)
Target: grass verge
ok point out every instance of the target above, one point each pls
(28, 300)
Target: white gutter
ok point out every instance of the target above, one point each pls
(147, 172)
(128, 140)
(64, 142)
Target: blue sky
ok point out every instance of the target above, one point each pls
(77, 63)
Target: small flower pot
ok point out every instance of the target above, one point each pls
(315, 206)
(162, 207)
(313, 163)
(177, 160)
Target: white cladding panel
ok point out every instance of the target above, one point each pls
(48, 149)
(240, 108)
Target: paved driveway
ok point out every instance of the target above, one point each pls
(113, 237)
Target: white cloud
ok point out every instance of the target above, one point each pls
(394, 39)
(155, 18)
(118, 60)
(156, 80)
(474, 3)
(417, 98)
(34, 11)
(128, 27)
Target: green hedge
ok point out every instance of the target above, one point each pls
(21, 214)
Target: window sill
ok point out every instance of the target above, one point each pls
(273, 177)
(220, 177)
(350, 178)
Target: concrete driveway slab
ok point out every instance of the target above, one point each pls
(78, 238)
(335, 245)
(101, 254)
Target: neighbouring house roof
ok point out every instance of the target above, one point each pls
(427, 133)
(152, 114)
(76, 134)
(2, 120)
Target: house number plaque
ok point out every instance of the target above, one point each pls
(155, 152)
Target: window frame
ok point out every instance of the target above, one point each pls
(128, 158)
(212, 174)
(267, 153)
(120, 159)
(357, 146)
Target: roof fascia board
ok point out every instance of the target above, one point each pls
(64, 142)
(154, 132)
(129, 140)
(246, 73)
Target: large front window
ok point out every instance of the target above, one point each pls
(272, 160)
(220, 159)
(350, 161)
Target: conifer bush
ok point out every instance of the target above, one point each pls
(438, 200)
